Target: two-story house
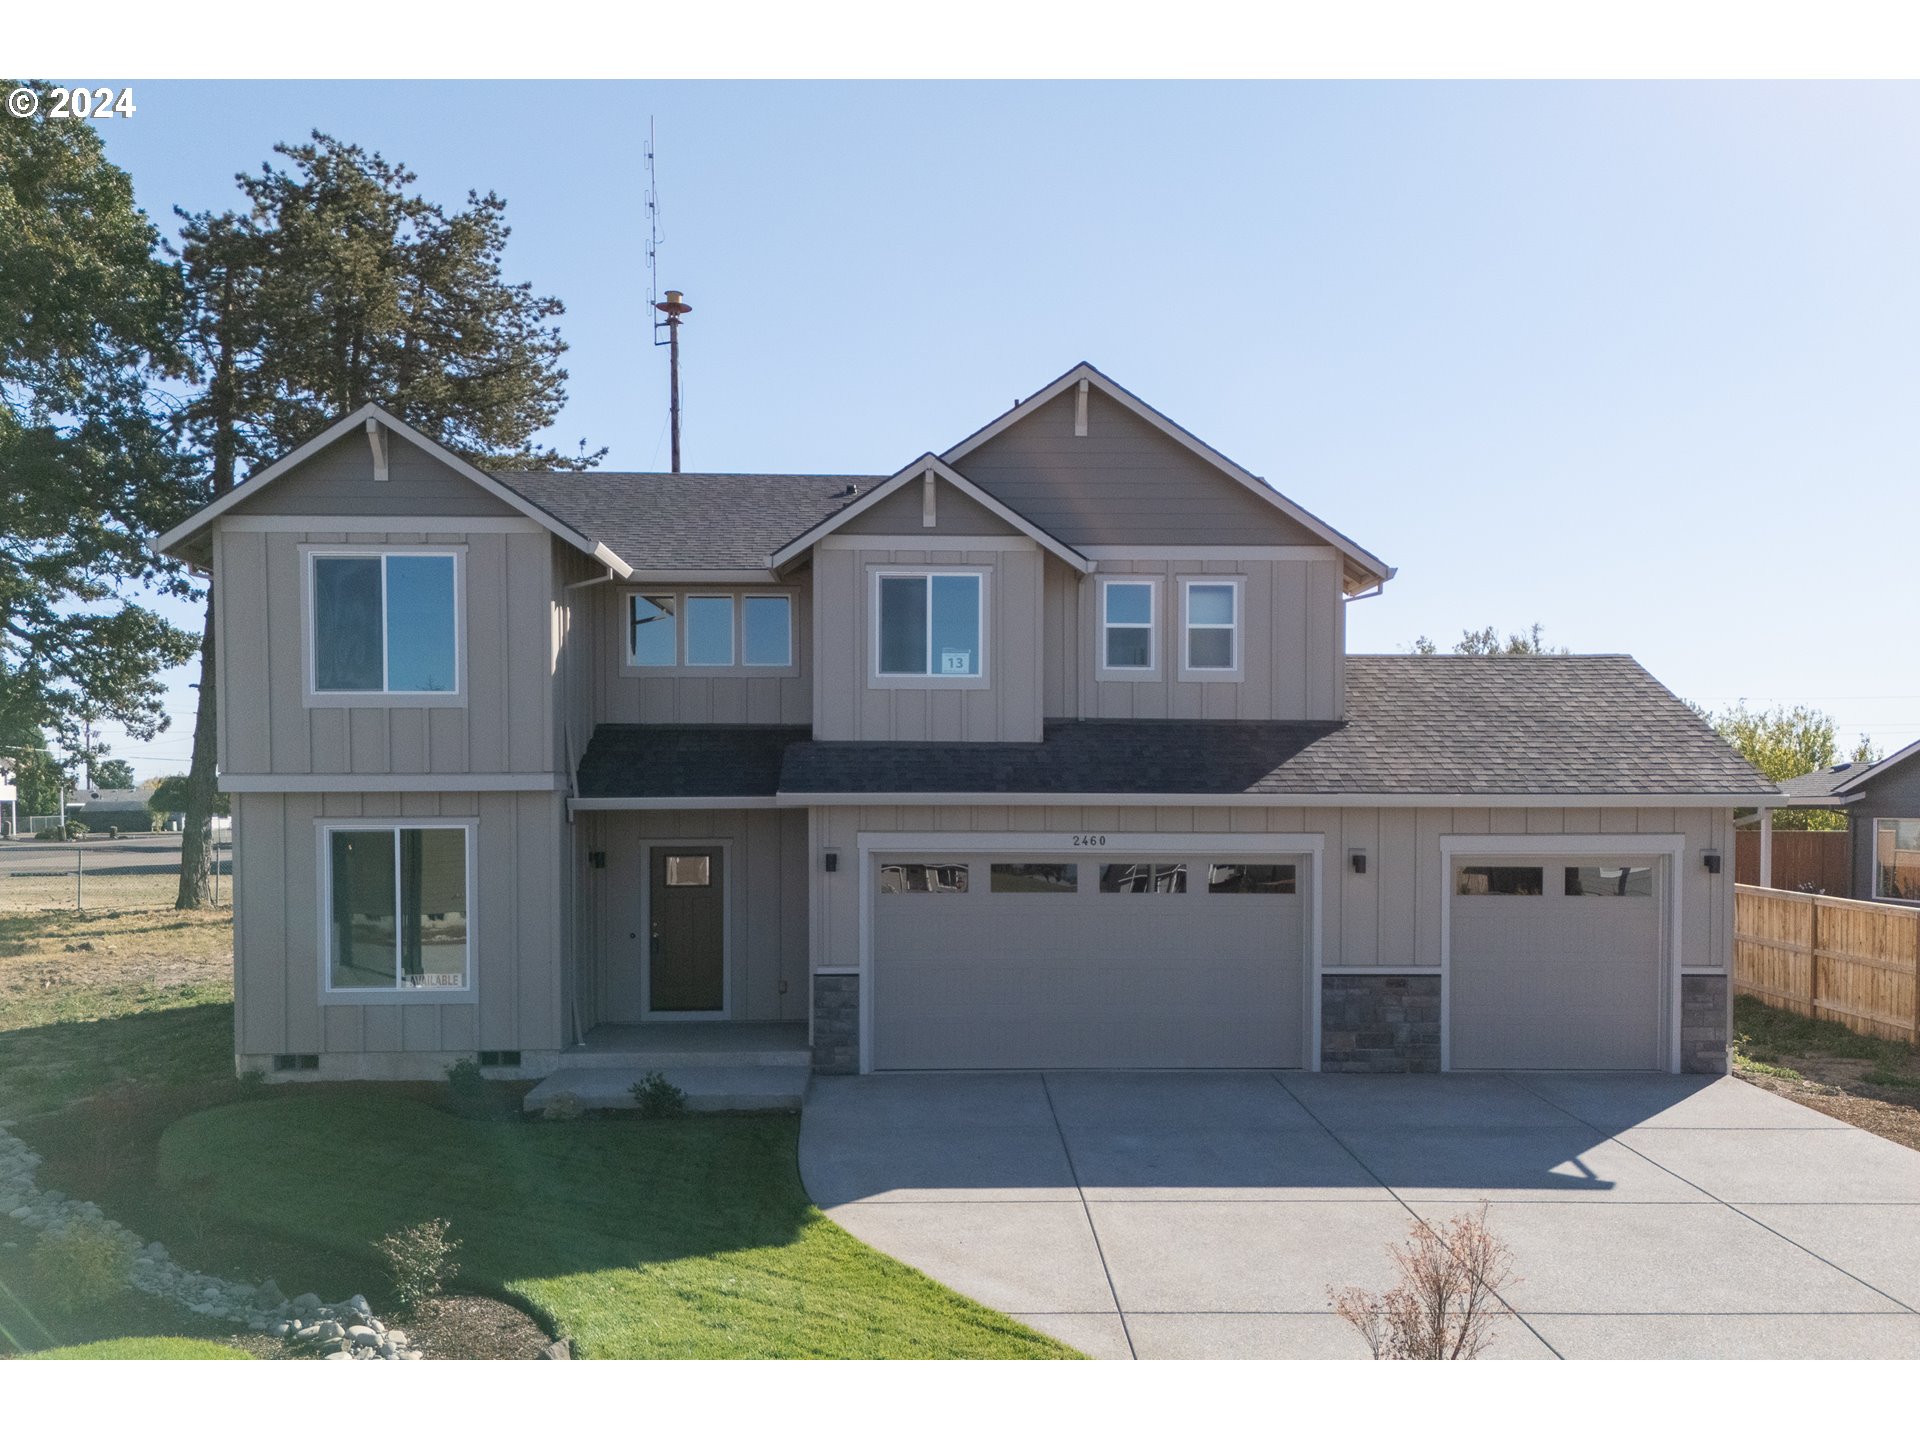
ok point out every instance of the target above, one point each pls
(1044, 751)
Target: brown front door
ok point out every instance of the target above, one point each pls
(687, 954)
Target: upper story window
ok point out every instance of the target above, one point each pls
(1127, 626)
(385, 622)
(929, 624)
(703, 630)
(1212, 643)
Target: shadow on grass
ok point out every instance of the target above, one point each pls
(161, 1043)
(686, 1237)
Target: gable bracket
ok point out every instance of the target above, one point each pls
(377, 441)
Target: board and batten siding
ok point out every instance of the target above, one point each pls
(504, 726)
(1293, 637)
(339, 481)
(517, 930)
(1892, 796)
(623, 695)
(766, 908)
(848, 706)
(1124, 482)
(1387, 918)
(904, 513)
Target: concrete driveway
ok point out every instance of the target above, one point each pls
(1204, 1215)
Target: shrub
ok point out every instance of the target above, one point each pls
(469, 1093)
(419, 1259)
(1447, 1301)
(658, 1097)
(82, 1266)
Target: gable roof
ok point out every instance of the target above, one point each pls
(663, 521)
(1821, 784)
(1362, 563)
(1861, 774)
(929, 462)
(187, 530)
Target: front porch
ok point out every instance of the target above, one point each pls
(719, 1065)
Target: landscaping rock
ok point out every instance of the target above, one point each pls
(305, 1320)
(558, 1350)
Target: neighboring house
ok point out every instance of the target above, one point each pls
(102, 810)
(1882, 805)
(1044, 751)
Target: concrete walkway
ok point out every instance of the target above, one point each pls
(1205, 1215)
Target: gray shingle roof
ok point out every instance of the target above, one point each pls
(688, 522)
(1416, 725)
(663, 761)
(1821, 783)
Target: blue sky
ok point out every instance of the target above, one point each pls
(1637, 361)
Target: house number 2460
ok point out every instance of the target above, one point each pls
(1081, 841)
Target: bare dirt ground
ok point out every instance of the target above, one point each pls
(1834, 1088)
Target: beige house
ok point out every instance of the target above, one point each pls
(1044, 751)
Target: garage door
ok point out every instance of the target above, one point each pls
(1011, 962)
(1556, 964)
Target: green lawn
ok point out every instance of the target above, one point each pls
(685, 1238)
(144, 1347)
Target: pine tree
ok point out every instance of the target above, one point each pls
(334, 285)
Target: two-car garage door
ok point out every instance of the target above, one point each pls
(1087, 961)
(1556, 963)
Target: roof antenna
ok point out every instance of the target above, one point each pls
(673, 307)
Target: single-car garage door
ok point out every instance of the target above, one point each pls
(1011, 962)
(1557, 963)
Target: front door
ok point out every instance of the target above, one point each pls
(686, 957)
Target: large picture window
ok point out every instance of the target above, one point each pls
(1896, 860)
(386, 623)
(397, 909)
(929, 624)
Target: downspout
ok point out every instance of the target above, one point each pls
(570, 755)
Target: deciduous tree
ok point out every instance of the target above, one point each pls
(89, 317)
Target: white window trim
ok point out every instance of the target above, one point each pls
(1238, 629)
(316, 698)
(737, 668)
(1149, 671)
(1873, 857)
(439, 994)
(876, 680)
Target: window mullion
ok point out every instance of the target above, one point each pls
(927, 582)
(399, 919)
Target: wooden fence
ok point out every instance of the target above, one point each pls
(1819, 860)
(1847, 960)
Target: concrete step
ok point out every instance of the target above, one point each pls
(664, 1059)
(707, 1087)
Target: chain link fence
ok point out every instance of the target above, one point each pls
(99, 875)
